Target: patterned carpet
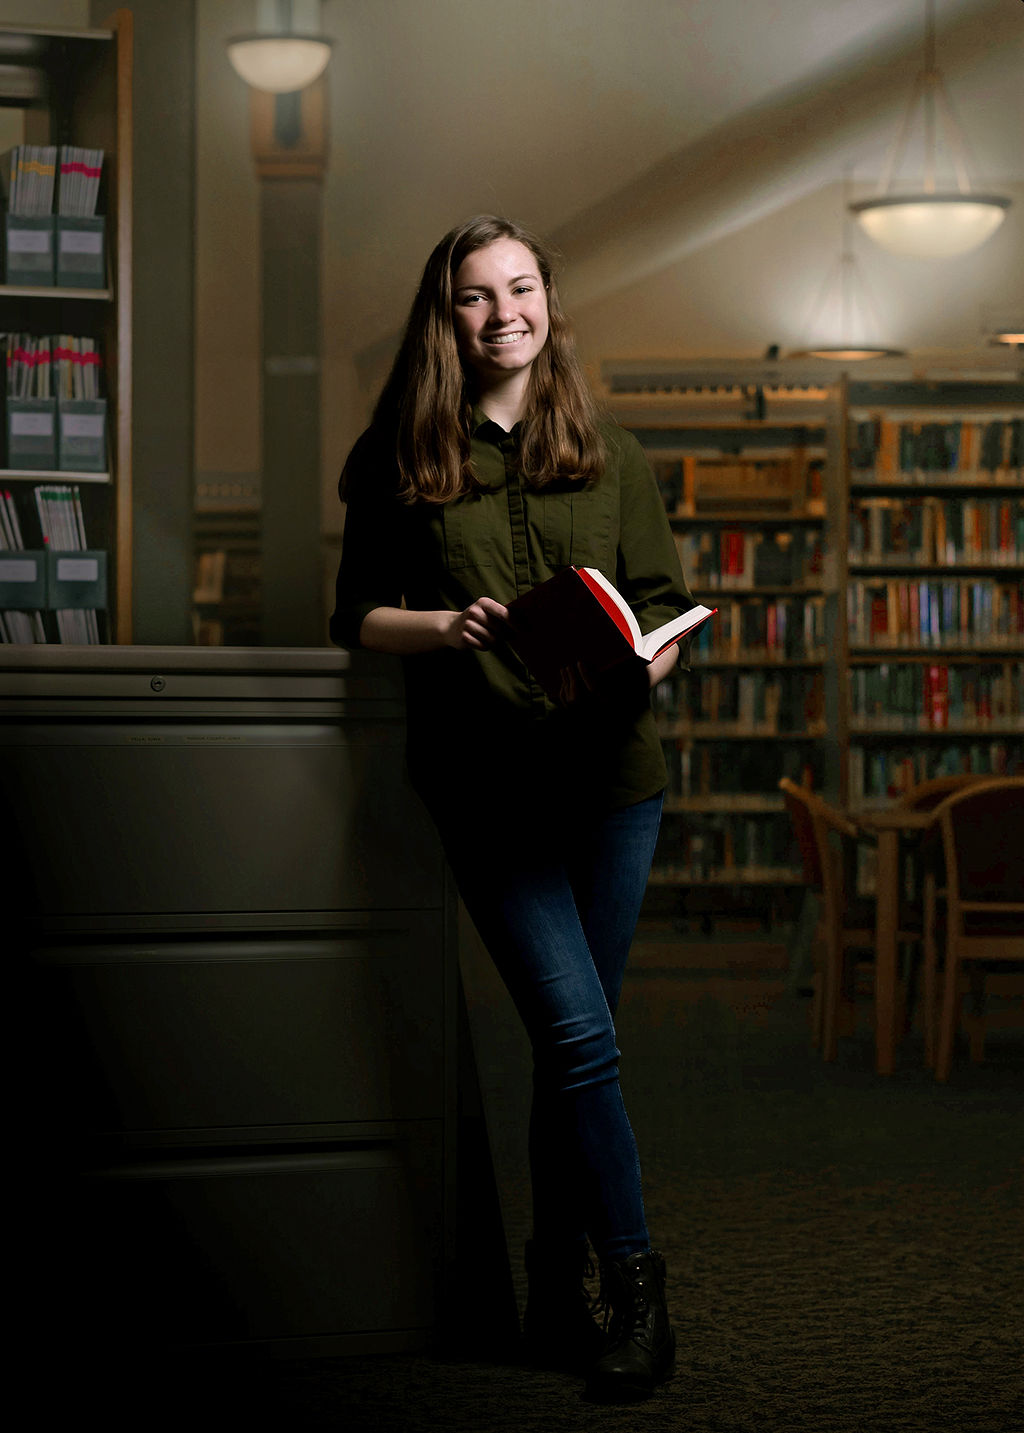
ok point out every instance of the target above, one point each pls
(844, 1252)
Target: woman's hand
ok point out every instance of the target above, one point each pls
(478, 627)
(660, 667)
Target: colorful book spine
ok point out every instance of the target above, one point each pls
(947, 615)
(898, 697)
(934, 531)
(879, 775)
(967, 450)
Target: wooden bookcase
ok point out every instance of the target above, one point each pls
(75, 87)
(904, 504)
(750, 477)
(934, 682)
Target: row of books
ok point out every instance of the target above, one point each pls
(736, 558)
(695, 482)
(78, 626)
(916, 697)
(890, 450)
(227, 576)
(49, 515)
(64, 365)
(771, 702)
(52, 587)
(710, 768)
(878, 776)
(784, 629)
(705, 847)
(931, 531)
(945, 615)
(34, 174)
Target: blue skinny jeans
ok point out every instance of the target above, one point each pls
(557, 913)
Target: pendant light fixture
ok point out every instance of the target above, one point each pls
(844, 306)
(930, 223)
(278, 58)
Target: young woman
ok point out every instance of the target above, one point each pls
(486, 470)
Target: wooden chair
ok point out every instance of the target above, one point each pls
(827, 841)
(975, 851)
(926, 795)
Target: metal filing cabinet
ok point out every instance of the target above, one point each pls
(235, 936)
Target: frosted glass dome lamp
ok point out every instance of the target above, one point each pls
(930, 223)
(279, 64)
(846, 296)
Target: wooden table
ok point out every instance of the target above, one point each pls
(888, 825)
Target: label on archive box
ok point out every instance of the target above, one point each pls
(77, 569)
(81, 241)
(28, 241)
(82, 425)
(31, 425)
(18, 569)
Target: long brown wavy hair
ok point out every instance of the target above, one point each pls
(426, 403)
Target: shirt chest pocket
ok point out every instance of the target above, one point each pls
(580, 528)
(469, 533)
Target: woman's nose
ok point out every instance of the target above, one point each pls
(502, 311)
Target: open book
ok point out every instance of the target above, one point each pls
(577, 616)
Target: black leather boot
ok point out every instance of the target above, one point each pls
(641, 1351)
(559, 1327)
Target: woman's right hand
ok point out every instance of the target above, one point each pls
(478, 627)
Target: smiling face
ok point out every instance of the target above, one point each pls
(500, 312)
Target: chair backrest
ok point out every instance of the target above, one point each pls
(926, 795)
(799, 810)
(982, 830)
(813, 818)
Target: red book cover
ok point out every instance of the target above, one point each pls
(577, 618)
(879, 614)
(939, 683)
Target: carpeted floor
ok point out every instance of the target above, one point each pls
(844, 1251)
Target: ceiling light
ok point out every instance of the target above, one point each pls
(844, 307)
(279, 64)
(850, 354)
(930, 223)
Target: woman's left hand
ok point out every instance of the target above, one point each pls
(659, 669)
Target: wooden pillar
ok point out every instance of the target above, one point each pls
(163, 317)
(289, 141)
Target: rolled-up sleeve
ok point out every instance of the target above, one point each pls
(370, 574)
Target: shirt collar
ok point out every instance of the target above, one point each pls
(479, 420)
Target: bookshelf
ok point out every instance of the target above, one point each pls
(74, 87)
(864, 544)
(750, 475)
(227, 603)
(934, 682)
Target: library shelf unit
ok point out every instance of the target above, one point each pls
(934, 671)
(74, 87)
(227, 605)
(903, 502)
(750, 472)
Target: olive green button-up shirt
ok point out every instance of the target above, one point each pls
(477, 722)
